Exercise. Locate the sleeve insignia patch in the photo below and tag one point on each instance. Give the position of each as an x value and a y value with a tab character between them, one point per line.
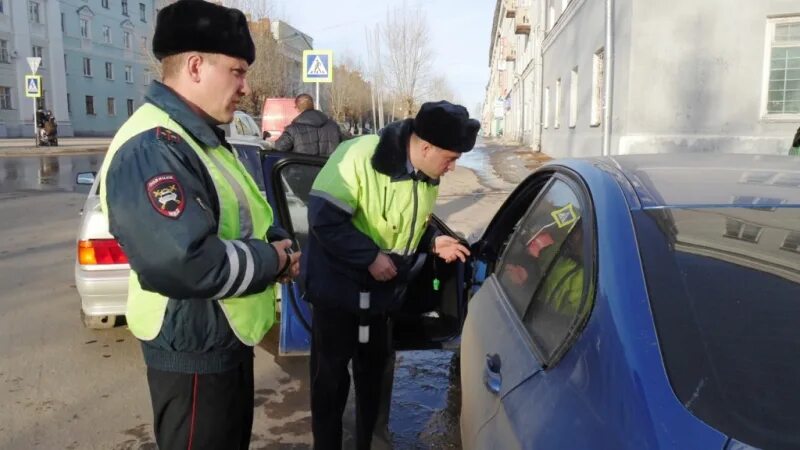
166	195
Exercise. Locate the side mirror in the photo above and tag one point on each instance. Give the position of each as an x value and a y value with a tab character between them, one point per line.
86	178
266	135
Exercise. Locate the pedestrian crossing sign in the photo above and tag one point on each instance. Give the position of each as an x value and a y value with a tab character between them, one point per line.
318	66
33	86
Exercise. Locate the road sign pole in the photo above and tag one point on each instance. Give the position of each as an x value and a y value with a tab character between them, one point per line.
35	125
316	98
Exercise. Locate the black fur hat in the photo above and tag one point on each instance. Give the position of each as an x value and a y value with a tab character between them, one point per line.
446	126
197	25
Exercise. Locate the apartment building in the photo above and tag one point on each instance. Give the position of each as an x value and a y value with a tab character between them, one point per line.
587	77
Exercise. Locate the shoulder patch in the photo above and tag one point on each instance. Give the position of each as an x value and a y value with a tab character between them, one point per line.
166	195
164	134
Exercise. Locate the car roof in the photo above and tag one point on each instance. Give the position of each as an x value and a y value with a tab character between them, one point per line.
692	179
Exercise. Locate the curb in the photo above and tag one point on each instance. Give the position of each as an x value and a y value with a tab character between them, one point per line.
49	151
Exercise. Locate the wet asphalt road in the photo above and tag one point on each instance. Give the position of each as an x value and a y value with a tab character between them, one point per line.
425	402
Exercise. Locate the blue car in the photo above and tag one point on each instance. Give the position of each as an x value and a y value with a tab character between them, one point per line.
637	302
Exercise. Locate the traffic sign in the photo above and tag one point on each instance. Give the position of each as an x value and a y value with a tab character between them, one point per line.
33	86
33	62
318	66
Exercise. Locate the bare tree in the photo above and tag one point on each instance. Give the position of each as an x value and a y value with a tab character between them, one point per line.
438	88
406	35
348	95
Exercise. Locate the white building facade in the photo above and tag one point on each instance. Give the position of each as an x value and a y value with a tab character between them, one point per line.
587	77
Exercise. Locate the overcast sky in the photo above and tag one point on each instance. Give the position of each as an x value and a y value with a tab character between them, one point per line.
460	33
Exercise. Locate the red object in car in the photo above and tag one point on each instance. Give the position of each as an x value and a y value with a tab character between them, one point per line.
539	243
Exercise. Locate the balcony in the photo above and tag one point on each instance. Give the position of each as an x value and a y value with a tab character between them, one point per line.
511	8
511	55
522	22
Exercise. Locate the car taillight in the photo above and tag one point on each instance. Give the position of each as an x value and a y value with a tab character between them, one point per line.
100	251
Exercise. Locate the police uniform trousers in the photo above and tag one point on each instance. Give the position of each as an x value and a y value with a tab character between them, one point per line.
203	411
334	342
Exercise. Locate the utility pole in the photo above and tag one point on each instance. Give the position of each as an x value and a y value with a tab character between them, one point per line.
372	84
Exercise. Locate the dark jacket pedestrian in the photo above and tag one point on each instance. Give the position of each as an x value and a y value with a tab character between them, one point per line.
199	236
369	225
795	150
310	133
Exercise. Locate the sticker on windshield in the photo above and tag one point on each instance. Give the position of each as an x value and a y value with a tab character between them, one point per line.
166	195
565	216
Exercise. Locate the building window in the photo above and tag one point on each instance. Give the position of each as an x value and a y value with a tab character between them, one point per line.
104	3
124	7
783	94
38	52
85	30
130	107
69	104
2	7
106	34
89	105
547	107
142	12
736	229
598	87
4	51
126	37
63	28
557	116
573	98
112	107
87	67
33	12
128	74
5	97
109	71
791	243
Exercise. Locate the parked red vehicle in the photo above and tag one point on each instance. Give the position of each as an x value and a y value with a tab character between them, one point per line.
276	114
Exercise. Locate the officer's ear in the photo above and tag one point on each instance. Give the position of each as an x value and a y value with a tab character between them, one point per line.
194	65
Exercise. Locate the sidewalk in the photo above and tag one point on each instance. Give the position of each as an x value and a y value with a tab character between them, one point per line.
16	147
468	199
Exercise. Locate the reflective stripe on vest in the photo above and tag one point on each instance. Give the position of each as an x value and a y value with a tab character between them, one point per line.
244	214
394	214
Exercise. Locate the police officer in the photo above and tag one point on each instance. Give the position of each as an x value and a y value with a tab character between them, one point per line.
204	255
368	217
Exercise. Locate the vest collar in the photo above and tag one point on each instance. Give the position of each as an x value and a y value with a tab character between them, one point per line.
391	155
168	101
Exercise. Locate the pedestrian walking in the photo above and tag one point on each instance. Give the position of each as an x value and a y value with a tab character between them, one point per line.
311	132
795	150
368	216
198	234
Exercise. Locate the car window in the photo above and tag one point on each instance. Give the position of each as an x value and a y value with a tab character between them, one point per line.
296	181
240	128
250	157
543	270
724	288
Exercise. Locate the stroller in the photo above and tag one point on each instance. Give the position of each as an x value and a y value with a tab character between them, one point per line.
48	130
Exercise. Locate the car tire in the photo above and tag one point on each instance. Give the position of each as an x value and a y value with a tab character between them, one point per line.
98	322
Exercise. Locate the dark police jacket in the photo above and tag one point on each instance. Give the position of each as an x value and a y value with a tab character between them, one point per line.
337	254
186	261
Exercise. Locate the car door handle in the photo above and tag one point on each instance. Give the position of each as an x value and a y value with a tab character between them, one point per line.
491	376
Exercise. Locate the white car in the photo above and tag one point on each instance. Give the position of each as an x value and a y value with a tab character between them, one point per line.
101	267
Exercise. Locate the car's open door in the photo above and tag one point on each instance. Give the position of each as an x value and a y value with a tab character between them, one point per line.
436	307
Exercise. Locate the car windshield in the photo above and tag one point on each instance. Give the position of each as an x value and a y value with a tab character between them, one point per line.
724	287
